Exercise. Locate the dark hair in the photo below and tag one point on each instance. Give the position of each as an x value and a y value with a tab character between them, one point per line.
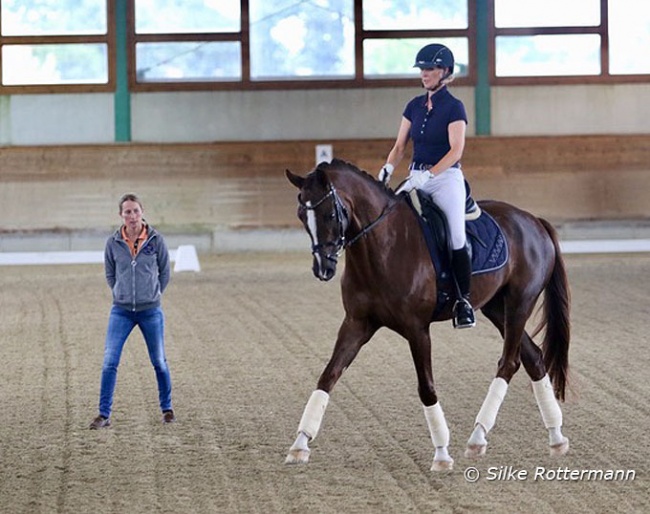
129	197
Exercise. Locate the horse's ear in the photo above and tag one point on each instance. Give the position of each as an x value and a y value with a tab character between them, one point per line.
296	180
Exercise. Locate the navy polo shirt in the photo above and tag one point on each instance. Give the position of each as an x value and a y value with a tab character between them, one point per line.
429	128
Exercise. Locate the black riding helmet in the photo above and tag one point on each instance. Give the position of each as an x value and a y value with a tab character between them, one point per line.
435	56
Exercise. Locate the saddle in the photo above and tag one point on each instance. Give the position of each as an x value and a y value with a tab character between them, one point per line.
485	239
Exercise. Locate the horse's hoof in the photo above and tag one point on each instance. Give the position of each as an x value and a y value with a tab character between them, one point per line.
557	450
297	457
442	465
475	451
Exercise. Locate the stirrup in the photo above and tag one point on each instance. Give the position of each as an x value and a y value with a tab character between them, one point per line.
463	314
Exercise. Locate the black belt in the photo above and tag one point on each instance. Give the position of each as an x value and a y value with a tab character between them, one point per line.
423	166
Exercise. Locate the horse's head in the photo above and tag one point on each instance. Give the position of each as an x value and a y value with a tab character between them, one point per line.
325	218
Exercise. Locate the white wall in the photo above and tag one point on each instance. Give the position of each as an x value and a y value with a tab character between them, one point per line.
273	115
57	119
571	110
313	114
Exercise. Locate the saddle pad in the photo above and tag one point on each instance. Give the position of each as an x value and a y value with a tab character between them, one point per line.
489	245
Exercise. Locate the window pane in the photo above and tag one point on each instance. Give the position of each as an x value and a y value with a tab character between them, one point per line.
394	58
529	56
188	16
629	37
414	14
291	40
188	61
54	64
547	13
35	17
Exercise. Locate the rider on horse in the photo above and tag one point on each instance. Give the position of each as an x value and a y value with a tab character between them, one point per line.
436	122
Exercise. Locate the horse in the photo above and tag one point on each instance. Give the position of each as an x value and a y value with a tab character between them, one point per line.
389	281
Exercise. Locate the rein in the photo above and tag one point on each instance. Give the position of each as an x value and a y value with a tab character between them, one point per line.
343	220
372	224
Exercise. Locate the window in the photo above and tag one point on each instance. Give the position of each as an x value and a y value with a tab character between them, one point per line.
393	32
72	45
548	55
257	44
561	41
194	42
629	37
550	13
301	40
49	46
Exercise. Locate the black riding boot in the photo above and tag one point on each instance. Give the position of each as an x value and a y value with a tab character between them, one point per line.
462	266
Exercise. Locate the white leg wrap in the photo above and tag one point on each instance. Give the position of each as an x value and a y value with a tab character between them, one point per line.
312	416
487	416
547	403
437	425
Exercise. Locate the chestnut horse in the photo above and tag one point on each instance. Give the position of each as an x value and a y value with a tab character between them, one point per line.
389	281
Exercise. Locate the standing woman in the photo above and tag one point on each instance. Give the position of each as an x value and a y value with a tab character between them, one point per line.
136	262
436	122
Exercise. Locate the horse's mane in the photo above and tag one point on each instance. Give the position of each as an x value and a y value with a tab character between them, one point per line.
338	164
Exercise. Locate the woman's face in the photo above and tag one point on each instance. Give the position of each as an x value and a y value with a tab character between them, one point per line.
132	214
431	77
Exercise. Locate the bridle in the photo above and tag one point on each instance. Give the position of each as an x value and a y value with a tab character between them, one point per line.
340	214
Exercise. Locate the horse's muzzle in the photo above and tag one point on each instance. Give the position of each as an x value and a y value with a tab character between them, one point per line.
324	267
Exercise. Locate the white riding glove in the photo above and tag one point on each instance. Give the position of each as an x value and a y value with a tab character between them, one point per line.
415	181
385	173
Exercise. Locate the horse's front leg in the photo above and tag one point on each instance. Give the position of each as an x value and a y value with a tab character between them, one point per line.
420	345
353	334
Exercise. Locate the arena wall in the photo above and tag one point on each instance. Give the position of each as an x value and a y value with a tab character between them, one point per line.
203	188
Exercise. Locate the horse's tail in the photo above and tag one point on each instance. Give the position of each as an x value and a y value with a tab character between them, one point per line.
556	318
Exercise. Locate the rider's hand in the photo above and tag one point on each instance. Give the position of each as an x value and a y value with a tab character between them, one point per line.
420	179
385	173
415	181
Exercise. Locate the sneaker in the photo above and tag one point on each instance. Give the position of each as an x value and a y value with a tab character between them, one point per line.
464	314
168	417
100	422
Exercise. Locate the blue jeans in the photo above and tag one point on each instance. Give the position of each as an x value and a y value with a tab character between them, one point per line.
120	324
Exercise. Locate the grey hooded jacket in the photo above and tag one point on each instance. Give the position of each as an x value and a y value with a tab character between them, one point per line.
137	282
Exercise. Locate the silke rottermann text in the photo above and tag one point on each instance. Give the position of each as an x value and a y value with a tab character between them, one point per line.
510	473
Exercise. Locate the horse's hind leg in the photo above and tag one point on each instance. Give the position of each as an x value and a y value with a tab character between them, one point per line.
514	317
549	407
353	334
532	359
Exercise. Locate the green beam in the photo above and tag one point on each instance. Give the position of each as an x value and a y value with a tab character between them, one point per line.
122	102
482	107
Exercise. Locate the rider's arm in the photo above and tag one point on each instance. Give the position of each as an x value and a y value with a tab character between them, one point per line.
399	148
456	131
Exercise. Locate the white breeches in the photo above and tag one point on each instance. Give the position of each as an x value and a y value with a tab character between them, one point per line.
447	189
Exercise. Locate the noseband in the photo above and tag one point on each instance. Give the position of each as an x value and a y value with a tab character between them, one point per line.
340	214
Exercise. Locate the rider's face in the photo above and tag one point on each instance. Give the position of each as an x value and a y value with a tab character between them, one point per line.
431	77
